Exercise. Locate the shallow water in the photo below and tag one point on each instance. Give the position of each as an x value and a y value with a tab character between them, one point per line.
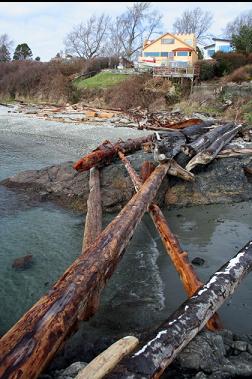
145	288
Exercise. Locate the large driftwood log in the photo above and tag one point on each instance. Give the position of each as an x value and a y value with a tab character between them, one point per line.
93	223
205	140
108	359
31	343
179	258
162	346
207	155
107	151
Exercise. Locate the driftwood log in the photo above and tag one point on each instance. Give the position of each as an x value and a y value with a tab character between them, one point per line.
93	223
208	154
108	359
31	343
107	151
205	140
151	358
179	258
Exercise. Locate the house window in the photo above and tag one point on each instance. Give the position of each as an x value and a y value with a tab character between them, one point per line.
164	53
224	48
150	54
210	53
167	40
182	53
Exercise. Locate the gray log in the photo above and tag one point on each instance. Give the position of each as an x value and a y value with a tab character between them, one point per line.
162	346
205	140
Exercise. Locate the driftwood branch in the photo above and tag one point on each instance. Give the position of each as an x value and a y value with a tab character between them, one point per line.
107	151
31	343
179	258
207	155
205	140
151	358
93	223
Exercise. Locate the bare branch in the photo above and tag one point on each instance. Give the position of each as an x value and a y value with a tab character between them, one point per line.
194	21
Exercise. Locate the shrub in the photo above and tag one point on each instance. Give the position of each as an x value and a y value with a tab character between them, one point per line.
207	69
228	62
239	75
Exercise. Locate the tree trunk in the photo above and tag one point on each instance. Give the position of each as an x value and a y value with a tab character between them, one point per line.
162	346
93	223
207	155
107	151
178	257
205	140
31	343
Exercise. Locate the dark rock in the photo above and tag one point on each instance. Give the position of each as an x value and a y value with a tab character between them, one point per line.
198	261
240	345
22	262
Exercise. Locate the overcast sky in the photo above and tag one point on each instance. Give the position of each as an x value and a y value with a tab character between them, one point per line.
44	25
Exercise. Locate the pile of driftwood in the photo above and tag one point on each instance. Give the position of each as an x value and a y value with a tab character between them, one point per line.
27	348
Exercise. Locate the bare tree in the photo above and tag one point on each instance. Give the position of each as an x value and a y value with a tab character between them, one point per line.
233	27
88	40
138	23
5	48
194	21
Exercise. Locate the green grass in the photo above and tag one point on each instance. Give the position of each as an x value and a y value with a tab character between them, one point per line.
101	80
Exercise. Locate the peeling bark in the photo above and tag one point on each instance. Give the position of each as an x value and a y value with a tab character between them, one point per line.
31	343
154	356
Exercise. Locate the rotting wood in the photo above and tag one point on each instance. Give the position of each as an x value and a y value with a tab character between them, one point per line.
234	152
108	359
159	350
205	140
93	222
107	151
31	343
179	258
207	155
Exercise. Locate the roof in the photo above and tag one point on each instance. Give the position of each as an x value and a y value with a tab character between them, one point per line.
221	39
183	49
206	47
172	35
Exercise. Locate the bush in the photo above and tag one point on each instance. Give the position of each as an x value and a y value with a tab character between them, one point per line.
207	69
228	62
130	93
239	75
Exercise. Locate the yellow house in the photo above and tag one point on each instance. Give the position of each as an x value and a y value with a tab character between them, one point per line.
170	49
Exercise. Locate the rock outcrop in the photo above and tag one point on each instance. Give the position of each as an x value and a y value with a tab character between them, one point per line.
222	181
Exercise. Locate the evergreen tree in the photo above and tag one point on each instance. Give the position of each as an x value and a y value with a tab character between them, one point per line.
243	40
22	52
4	54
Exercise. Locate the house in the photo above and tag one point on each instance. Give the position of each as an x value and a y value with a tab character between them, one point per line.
176	50
220	44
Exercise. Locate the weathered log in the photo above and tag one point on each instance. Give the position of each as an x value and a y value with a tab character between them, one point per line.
30	344
207	155
179	258
194	131
93	223
107	151
108	359
162	346
234	152
205	140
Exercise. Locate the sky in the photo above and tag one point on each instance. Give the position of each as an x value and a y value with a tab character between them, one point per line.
44	25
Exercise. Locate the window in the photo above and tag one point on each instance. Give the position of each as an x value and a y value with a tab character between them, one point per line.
225	48
150	54
167	40
210	53
182	53
164	53
190	53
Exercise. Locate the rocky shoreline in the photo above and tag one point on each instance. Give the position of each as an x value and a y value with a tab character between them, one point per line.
222	181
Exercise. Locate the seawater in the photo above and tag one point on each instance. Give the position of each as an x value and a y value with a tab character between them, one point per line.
145	289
